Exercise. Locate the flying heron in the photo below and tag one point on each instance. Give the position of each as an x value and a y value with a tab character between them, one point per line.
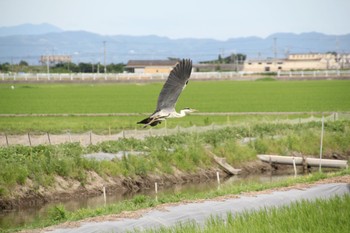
176	82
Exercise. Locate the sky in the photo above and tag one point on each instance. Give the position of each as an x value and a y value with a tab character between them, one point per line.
215	19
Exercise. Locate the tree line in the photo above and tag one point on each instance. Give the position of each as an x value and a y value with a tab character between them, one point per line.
69	67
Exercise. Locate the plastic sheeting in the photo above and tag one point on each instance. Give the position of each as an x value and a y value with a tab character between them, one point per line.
199	212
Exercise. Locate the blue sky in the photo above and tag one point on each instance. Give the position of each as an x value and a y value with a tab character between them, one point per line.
216	19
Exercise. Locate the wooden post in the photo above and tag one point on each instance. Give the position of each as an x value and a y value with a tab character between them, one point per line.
104	195
295	167
70	139
90	138
48	137
218	178
156	190
30	142
305	167
7	140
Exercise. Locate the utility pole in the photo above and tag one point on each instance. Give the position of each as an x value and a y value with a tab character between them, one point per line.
48	66
275	48
104	60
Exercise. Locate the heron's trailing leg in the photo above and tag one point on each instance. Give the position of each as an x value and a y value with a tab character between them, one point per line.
152	121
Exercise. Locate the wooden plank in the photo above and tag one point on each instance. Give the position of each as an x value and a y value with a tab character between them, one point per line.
224	165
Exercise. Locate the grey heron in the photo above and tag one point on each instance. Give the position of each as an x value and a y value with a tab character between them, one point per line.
176	82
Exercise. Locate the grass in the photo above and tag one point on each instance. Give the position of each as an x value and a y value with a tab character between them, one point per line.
116	124
330	215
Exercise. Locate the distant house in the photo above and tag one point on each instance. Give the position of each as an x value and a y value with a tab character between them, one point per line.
307	61
150	66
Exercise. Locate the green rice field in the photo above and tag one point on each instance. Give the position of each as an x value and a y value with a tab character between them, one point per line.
140	99
209	96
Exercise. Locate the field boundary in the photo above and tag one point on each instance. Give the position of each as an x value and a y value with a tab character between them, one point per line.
90	138
141	114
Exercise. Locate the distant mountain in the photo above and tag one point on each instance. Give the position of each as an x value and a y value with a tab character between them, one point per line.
29	29
89	47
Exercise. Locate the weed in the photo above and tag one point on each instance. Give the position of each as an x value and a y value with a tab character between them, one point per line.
57	213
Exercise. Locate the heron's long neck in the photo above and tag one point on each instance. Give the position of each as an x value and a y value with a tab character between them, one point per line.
181	114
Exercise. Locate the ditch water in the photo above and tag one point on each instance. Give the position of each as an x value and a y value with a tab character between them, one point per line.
20	217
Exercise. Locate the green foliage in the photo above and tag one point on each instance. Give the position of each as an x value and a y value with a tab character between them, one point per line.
233	58
139	199
40	164
68	67
57	213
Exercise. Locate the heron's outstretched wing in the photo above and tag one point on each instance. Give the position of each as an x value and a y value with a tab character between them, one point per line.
174	85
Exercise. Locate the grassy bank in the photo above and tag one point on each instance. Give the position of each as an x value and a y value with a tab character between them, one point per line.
164	155
304	216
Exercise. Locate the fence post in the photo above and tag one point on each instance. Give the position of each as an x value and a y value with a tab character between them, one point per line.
48	137
156	190
70	139
30	142
7	141
218	178
104	195
295	167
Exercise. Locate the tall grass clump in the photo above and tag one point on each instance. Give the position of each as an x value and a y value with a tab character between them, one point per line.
40	164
